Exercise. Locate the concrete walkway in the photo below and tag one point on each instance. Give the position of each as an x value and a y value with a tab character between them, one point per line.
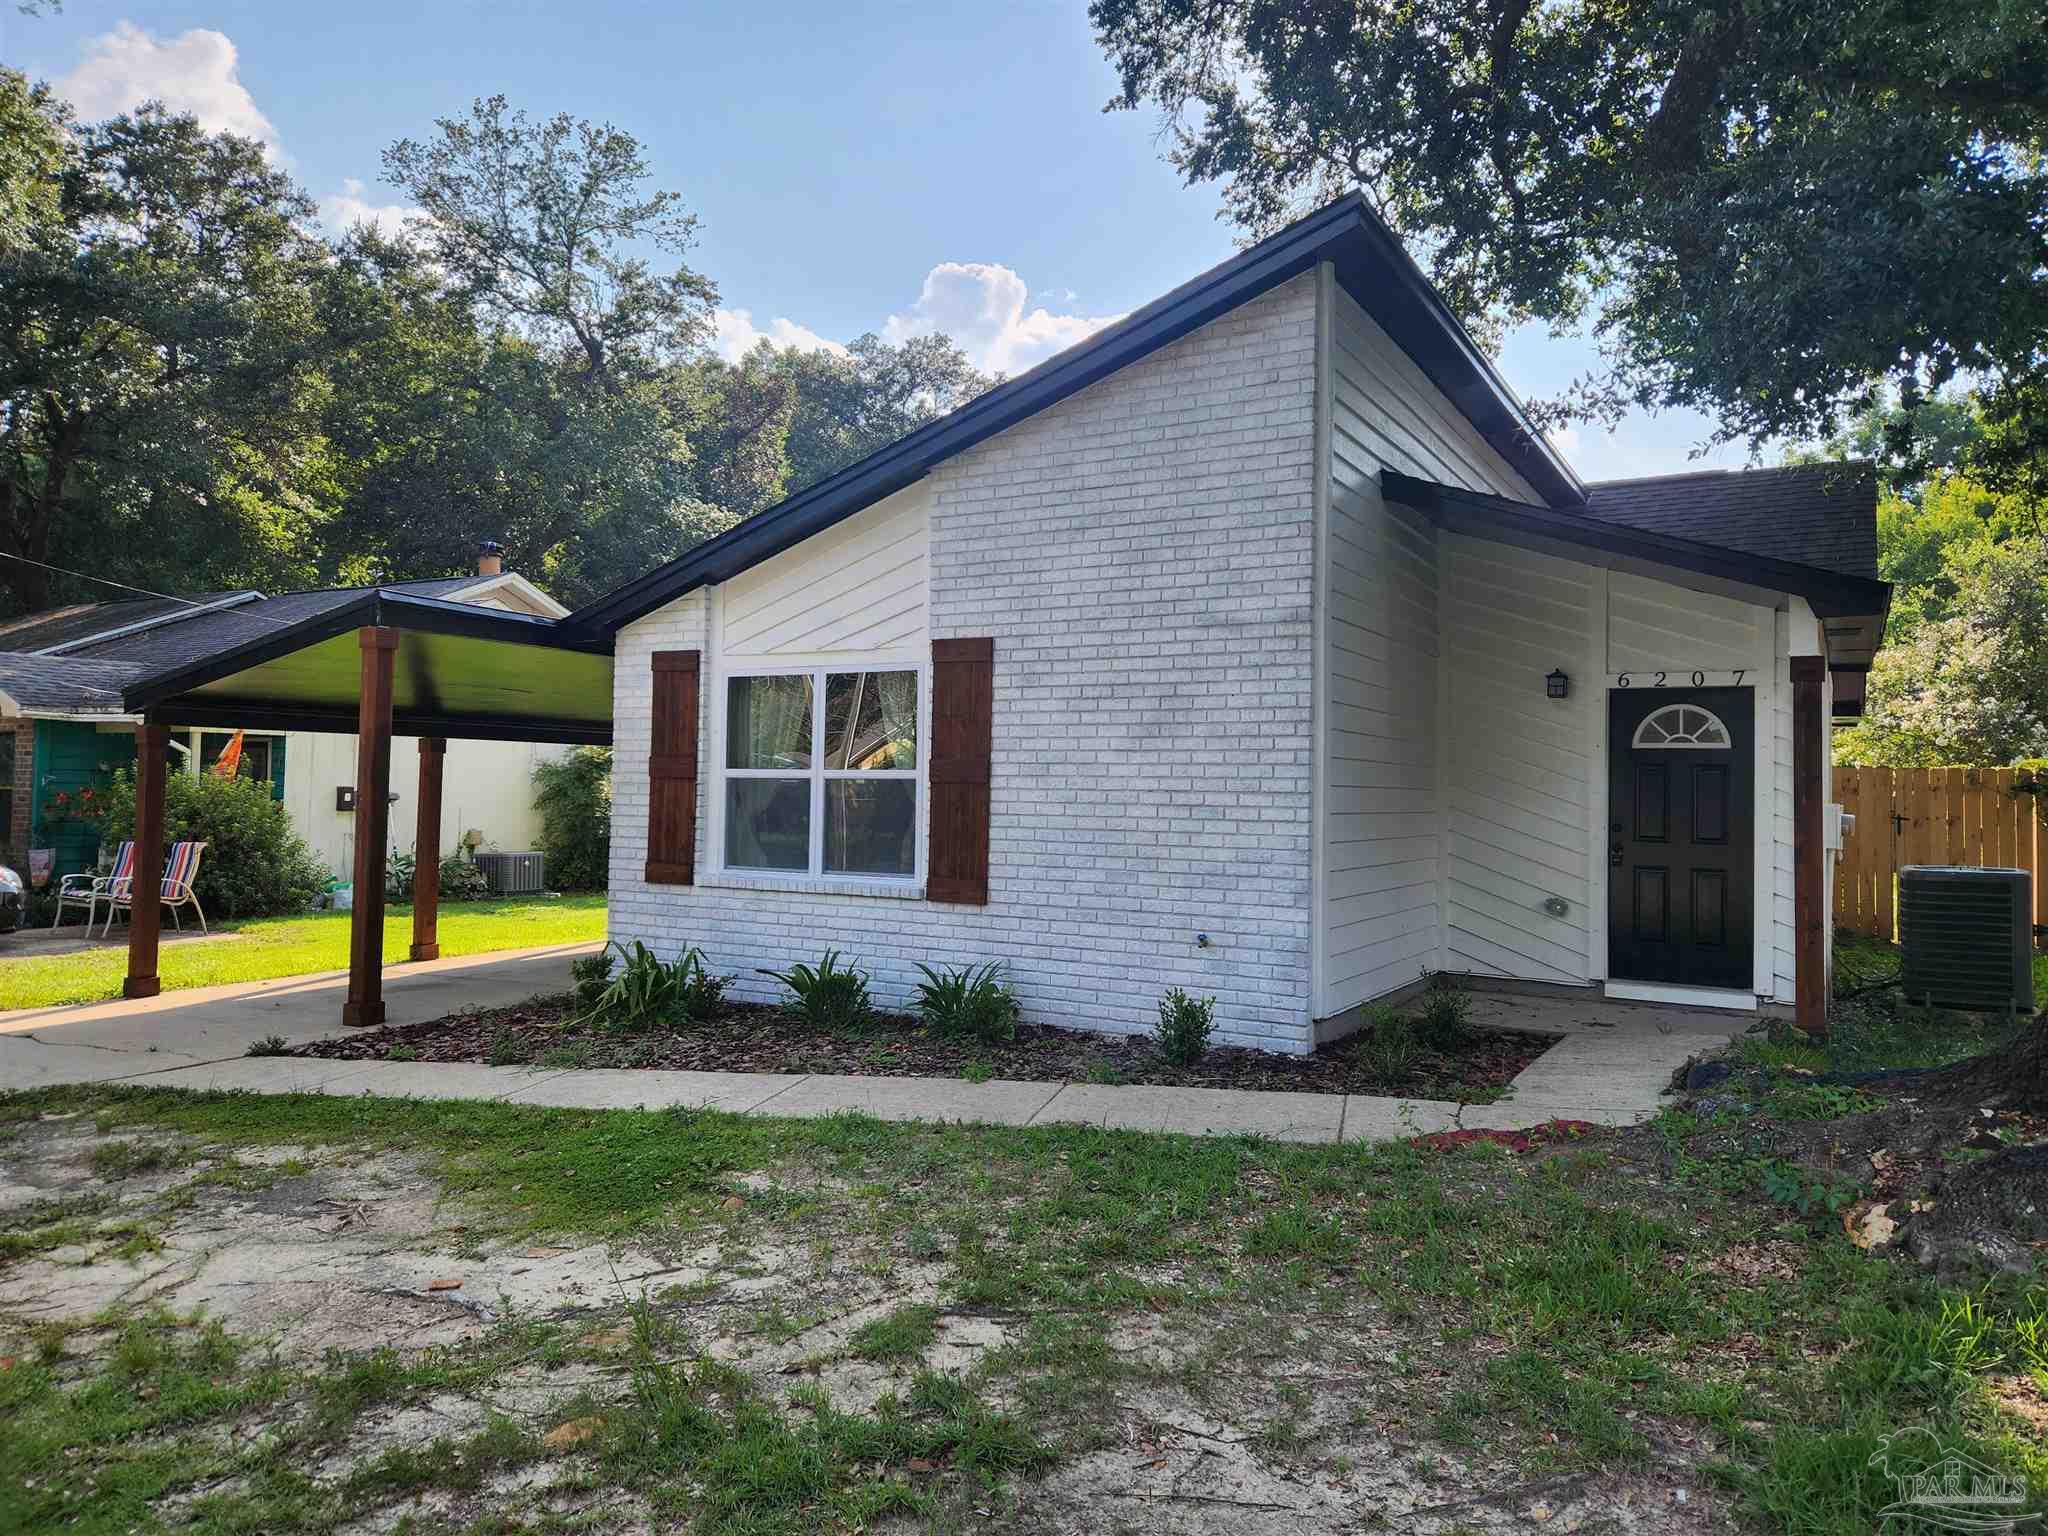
106	1042
1610	1067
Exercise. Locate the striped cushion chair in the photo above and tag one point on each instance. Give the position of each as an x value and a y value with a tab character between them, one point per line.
180	870
89	890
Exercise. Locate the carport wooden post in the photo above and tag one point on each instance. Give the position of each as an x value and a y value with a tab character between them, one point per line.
145	912
365	1005
1809	858
426	851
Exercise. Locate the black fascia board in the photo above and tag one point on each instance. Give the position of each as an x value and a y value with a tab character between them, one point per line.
1370	263
373	607
1832	594
208	713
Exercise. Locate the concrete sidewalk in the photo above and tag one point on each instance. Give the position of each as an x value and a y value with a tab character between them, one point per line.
106	1042
1610	1065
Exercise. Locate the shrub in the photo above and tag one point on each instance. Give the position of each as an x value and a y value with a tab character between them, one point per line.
649	990
255	864
1446	1019
460	879
592	974
574	797
827	997
975	1003
1388	1048
1185	1024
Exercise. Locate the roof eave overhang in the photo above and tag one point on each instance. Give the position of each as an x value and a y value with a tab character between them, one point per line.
377	608
1831	594
1369	262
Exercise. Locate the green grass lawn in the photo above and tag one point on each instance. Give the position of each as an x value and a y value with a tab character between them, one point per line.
1604	1311
293	946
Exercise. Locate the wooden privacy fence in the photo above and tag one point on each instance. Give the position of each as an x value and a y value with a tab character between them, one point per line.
1984	818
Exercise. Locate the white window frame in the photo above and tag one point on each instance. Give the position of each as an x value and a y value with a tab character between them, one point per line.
1682	744
818	774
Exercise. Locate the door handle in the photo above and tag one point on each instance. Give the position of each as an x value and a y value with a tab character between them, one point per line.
1614	855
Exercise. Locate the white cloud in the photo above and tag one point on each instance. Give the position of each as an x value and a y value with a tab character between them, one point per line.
734	334
194	72
342	211
981	305
1564	439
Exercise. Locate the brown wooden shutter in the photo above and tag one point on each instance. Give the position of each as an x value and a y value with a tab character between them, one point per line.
672	771
963	698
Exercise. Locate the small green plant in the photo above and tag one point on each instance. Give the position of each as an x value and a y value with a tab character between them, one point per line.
1445	1022
1387	1048
565	1057
269	1045
973	1003
401	1053
1185	1024
828	996
1103	1074
592	974
508	1048
977	1071
649	990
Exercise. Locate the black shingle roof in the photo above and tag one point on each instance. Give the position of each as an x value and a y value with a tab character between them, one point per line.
60	626
1823	515
62	683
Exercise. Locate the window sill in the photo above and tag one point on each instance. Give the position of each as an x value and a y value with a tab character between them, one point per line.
813	885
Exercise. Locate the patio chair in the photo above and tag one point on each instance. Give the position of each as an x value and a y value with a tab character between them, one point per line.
180	870
88	890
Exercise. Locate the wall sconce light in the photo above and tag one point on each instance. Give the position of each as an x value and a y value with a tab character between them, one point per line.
1557	685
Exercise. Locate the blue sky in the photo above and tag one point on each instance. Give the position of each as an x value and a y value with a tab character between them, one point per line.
886	167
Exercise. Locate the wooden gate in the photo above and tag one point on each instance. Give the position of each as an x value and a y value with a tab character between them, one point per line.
1985	818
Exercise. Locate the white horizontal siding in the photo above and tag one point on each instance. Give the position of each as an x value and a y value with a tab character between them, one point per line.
861	586
1382	833
1520	766
1652	625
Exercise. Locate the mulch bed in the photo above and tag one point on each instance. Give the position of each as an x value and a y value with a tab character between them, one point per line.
757	1038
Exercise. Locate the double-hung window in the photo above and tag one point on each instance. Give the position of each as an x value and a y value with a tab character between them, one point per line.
821	772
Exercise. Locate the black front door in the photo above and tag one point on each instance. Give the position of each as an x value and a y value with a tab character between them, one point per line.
1681	814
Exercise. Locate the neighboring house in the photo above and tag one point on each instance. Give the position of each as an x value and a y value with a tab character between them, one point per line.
1261	646
62	729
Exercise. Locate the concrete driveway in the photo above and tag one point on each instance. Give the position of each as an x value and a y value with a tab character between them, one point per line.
104	1042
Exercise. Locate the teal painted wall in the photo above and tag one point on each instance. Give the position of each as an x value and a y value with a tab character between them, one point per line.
68	758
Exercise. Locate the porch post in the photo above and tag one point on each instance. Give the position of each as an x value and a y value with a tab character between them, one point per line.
426	872
145	911
365	1005
1809	858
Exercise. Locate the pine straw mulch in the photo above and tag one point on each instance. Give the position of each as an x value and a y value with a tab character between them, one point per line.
750	1037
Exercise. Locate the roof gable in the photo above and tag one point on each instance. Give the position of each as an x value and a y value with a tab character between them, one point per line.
1370	264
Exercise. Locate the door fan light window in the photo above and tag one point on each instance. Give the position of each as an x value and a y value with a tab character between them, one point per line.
821	773
1682	726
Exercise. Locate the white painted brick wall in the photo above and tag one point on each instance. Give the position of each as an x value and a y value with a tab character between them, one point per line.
1141	554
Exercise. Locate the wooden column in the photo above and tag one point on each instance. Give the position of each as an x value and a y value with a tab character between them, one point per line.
365	1005
1809	856
145	911
426	851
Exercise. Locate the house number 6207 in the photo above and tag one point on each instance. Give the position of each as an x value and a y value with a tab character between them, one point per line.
1663	679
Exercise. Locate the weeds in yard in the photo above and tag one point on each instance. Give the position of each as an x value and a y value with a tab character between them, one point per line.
1445	1020
1388	1050
267	1045
977	1071
508	1048
904	1333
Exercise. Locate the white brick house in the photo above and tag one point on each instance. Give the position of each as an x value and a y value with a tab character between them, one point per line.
1273	578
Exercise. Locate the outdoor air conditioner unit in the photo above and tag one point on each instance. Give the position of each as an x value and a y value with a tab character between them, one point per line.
513	874
1968	937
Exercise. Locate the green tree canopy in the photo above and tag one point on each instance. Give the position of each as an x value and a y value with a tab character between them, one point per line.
1768	208
159	360
848	406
